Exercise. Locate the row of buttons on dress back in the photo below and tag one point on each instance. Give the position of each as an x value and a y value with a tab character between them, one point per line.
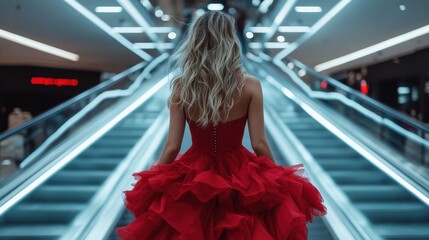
214	145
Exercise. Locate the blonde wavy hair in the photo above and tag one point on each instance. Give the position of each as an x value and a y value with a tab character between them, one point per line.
211	71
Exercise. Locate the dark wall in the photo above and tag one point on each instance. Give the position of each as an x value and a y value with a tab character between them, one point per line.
16	89
411	71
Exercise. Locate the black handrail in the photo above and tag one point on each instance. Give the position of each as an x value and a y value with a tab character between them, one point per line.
96	89
370	101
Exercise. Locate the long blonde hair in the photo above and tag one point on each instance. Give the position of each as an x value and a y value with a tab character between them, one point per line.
211	71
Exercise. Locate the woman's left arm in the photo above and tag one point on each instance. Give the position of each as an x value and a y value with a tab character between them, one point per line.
175	135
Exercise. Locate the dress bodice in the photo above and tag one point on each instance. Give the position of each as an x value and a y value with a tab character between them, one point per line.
215	140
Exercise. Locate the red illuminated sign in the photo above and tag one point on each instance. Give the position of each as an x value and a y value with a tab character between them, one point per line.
59	82
364	87
324	85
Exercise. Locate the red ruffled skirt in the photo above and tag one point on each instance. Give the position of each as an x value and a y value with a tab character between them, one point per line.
246	197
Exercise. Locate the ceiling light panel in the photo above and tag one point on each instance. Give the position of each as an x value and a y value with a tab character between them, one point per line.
308	9
315	22
38	45
374	48
108	9
106	28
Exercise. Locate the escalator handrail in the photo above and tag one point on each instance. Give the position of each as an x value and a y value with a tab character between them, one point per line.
59	108
386	110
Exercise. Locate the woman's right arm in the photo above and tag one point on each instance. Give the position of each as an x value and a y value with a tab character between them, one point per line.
256	120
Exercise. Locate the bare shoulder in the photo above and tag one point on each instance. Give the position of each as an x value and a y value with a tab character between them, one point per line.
252	84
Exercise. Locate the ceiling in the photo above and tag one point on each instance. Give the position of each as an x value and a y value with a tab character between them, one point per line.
361	23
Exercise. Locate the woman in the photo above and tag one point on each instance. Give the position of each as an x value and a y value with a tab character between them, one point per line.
218	189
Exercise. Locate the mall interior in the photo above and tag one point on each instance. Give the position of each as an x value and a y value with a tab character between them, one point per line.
83	105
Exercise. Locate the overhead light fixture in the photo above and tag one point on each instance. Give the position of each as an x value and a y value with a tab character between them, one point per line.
259	29
308	9
128	29
138	17
215	6
152	45
106	28
294	28
263	8
159	13
160	29
373	49
249	35
268	45
256	2
141	30
280	38
402	7
38	45
172	35
199	12
165	18
313	30
108	9
278	19
146	4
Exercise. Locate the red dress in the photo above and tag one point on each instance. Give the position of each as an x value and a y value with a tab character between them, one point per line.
218	189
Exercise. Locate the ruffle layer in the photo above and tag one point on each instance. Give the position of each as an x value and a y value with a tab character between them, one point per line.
246	197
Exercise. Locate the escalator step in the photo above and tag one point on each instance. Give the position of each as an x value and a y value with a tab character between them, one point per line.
105	152
385	212
114	143
332	143
48	213
321	136
377	193
33	231
79	177
360	177
403	231
56	193
333	154
90	165
340	164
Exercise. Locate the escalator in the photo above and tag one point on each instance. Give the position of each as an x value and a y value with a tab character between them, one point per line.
317	229
47	211
392	210
48	199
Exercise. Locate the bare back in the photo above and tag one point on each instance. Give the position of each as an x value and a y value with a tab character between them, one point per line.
242	101
250	103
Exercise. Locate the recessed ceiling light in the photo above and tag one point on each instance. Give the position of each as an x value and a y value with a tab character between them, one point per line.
215	7
108	9
38	45
402	7
373	49
165	18
159	13
308	9
249	35
172	35
280	38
